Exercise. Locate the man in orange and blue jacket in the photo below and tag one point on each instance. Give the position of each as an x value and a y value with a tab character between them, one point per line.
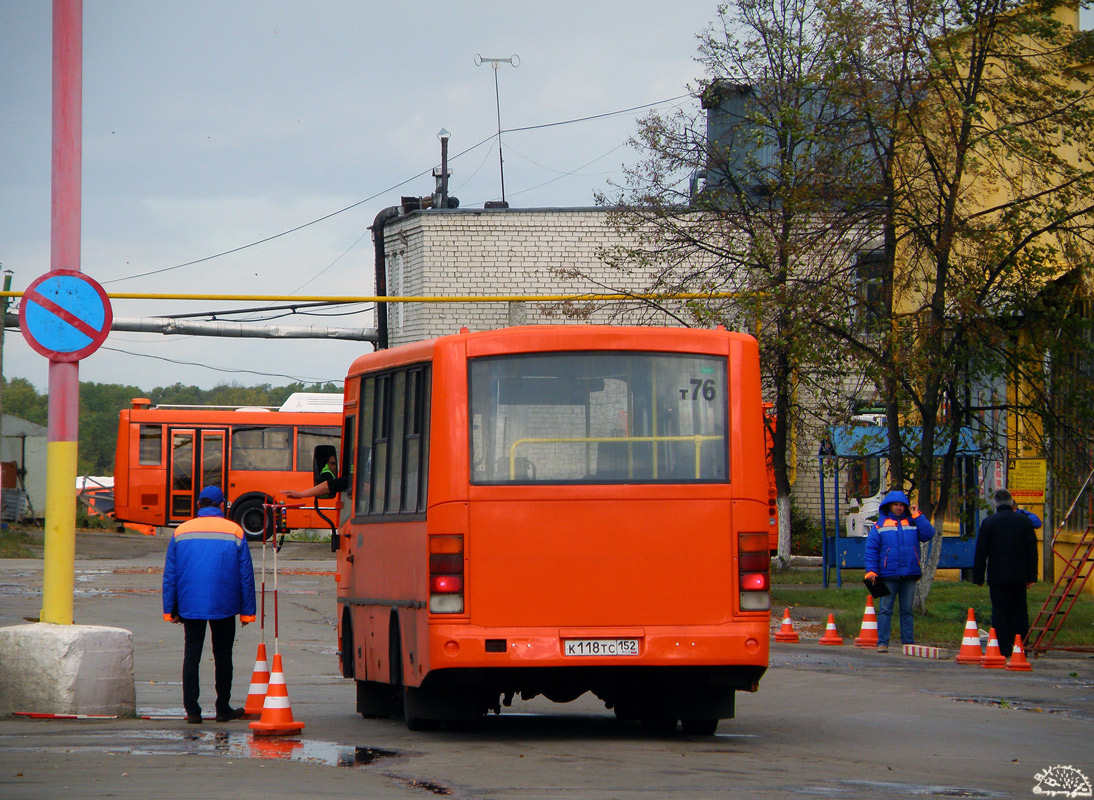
208	579
892	555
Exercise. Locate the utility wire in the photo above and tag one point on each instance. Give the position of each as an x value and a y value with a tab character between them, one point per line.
224	369
385	191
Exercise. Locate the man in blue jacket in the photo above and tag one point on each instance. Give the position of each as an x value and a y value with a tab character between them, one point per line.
208	579
892	554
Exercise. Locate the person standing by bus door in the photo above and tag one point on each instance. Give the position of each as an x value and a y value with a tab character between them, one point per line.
892	556
208	580
1006	549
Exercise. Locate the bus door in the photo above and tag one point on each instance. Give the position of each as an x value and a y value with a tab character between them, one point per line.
197	461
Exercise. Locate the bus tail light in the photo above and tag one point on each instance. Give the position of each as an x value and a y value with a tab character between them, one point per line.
753	571
446	574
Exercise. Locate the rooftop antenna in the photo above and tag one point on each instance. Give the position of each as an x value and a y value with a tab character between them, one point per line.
515	61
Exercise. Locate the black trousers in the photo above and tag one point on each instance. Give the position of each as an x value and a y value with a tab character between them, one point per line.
1009	614
223	638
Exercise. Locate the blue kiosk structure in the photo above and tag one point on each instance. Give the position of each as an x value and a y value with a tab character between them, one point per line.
845	443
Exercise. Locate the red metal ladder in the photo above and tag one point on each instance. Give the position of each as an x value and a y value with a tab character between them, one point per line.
1077	568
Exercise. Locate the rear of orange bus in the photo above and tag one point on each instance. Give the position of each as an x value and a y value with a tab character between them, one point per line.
596	520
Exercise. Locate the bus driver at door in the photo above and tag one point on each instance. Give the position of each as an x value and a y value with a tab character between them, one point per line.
330	485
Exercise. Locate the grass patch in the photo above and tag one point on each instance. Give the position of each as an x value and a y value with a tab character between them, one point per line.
17	542
943	624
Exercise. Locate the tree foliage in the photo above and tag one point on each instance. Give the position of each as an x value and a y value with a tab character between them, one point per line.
981	125
100	404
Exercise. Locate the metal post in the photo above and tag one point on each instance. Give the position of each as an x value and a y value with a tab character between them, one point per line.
824	526
58	573
3	324
494	62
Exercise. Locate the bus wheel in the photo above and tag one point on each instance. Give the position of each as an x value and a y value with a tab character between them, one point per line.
376	700
250	516
418	710
658	725
699	727
345	648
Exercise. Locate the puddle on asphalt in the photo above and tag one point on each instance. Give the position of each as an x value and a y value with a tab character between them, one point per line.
1016	705
226	744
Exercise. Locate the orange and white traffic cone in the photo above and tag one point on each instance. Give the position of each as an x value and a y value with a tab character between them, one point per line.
787	633
993	657
868	633
276	714
970	652
260	681
831	636
1018	656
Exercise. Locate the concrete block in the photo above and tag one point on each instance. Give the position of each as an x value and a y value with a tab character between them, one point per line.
66	669
924	651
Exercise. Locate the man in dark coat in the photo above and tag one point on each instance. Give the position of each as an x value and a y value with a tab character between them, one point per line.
1007	547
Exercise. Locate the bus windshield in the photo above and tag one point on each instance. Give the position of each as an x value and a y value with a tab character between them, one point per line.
599	417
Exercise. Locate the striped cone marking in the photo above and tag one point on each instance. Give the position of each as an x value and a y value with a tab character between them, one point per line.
970	652
277	719
787	633
1018	657
260	681
993	657
868	634
831	635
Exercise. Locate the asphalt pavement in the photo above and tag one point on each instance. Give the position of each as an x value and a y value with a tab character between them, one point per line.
829	721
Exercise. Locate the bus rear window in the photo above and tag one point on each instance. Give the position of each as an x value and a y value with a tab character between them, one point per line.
599	418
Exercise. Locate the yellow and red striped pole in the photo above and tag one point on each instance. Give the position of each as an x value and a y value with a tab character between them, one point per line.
58	573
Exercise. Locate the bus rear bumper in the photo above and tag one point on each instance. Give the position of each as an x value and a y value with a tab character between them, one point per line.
469	646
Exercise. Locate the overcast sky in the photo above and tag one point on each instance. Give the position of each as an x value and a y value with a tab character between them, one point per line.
209	126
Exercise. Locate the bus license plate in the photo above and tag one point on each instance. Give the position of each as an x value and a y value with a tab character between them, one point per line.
600	647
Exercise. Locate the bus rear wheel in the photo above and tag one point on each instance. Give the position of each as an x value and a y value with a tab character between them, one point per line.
251	516
699	727
418	710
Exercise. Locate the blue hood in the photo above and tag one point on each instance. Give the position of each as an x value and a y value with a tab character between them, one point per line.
895	496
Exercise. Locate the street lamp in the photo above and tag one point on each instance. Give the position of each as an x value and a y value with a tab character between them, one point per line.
494	62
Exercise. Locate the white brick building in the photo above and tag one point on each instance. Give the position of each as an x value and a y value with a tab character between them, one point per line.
501	252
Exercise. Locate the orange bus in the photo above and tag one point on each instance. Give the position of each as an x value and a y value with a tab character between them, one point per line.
166	454
554	510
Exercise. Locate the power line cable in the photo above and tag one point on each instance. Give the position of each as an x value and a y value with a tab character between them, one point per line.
389	189
224	369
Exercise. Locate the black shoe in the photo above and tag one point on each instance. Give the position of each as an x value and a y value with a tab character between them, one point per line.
194	719
230	714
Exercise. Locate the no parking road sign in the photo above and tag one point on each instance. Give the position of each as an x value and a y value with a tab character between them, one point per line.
65	315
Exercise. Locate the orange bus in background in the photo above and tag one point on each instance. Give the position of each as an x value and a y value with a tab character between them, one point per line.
554	510
167	454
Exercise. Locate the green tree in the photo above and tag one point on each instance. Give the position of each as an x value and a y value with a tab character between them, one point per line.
22	400
768	225
982	125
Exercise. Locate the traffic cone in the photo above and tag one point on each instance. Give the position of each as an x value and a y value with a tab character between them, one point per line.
970	652
787	633
276	714
993	657
260	681
830	634
1018	657
868	634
